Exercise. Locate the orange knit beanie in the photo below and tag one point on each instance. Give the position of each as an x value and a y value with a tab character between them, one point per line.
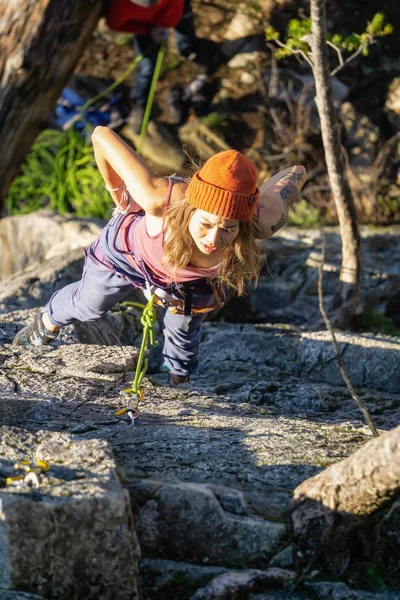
225	186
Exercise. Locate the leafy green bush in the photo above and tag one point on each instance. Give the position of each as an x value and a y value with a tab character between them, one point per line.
304	215
299	32
60	173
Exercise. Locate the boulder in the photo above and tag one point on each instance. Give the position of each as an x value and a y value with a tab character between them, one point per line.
340	591
186	521
367	358
209	469
392	105
160	575
4	595
159	148
70	534
35	285
41	235
242	40
239	584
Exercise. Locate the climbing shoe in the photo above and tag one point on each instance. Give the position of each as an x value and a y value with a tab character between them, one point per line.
34	334
181	381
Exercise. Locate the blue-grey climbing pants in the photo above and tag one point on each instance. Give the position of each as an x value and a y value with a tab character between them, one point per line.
101	288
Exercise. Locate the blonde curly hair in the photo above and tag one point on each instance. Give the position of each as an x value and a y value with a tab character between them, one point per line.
240	260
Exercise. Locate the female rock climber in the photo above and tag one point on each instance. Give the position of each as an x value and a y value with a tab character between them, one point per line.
184	240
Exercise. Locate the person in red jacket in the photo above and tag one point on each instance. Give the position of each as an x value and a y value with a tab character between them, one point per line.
149	21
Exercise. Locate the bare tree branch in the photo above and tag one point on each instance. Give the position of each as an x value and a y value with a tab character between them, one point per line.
343	372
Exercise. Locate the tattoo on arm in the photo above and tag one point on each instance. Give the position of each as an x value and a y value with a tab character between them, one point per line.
281	222
289	194
294	177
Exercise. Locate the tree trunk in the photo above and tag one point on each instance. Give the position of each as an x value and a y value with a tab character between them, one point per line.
350	274
336	515
40	45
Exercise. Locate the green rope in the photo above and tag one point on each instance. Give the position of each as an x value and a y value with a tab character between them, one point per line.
134	394
148	319
80	116
115	84
160	57
150	99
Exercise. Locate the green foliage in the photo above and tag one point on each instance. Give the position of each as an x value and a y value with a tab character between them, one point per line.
60	173
351	43
370	320
304	215
215	119
299	31
365	575
294	43
271	34
377	27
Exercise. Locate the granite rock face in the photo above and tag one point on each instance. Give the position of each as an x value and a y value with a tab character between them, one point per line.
209	534
208	471
38	236
4	595
71	536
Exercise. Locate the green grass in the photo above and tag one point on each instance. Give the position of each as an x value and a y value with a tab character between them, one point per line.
60	174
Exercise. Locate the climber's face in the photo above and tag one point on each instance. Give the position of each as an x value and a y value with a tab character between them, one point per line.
210	232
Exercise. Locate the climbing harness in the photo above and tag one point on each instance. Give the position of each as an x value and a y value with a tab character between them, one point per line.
184	306
27	473
178	298
134	394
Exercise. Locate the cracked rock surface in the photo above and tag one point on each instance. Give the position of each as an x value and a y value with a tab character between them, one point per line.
209	469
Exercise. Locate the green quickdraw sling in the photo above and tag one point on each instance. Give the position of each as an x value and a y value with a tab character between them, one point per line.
135	394
150	98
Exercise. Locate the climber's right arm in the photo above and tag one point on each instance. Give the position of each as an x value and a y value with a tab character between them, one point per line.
119	164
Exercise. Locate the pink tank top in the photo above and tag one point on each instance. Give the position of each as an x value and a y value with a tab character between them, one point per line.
150	249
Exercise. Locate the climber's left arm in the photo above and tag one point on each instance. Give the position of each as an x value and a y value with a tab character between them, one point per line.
277	195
